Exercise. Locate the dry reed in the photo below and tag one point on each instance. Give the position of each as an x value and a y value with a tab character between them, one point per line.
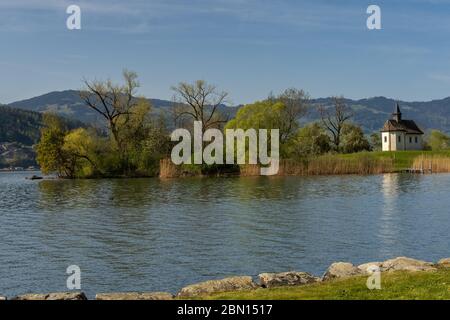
327	165
433	163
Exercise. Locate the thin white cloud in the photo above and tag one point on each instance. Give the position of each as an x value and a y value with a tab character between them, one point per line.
141	16
440	77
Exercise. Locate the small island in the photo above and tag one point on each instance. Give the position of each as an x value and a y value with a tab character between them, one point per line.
133	139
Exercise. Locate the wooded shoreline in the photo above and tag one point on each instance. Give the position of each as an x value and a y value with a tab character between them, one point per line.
365	163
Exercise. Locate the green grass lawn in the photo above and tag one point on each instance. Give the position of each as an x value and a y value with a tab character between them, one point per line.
402	159
395	286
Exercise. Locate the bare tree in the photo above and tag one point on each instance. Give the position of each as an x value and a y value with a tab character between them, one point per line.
296	106
124	113
199	101
333	120
113	102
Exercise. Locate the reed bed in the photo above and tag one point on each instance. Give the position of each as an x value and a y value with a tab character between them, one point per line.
169	170
332	164
432	164
328	165
249	170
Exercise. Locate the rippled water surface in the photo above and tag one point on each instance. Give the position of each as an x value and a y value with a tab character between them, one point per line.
156	235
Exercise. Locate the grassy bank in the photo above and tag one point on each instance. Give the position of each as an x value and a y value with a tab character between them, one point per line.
395	286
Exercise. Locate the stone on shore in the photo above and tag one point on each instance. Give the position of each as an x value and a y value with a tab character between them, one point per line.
406	264
293	278
53	296
341	270
444	263
367	268
134	296
216	286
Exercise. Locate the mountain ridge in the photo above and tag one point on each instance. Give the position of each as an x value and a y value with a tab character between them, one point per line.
370	113
69	104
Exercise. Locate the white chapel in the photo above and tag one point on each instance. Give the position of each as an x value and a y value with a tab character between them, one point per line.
398	134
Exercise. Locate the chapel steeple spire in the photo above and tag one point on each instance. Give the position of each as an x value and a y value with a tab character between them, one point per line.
397	115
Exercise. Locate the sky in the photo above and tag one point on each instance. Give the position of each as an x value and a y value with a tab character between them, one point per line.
248	48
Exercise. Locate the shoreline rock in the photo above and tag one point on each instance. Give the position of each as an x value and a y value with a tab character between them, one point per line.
216	286
399	264
406	264
134	296
444	263
366	267
291	278
52	296
341	270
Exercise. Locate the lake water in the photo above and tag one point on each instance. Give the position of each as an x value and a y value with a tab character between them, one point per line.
159	235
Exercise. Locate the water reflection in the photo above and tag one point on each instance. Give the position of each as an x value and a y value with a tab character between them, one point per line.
390	186
389	217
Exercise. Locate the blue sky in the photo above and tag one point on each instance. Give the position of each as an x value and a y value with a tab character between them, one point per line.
246	47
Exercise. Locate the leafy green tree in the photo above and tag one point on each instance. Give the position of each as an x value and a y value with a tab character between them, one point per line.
438	140
353	139
311	140
150	142
296	105
50	154
80	150
265	114
282	112
133	129
375	141
259	115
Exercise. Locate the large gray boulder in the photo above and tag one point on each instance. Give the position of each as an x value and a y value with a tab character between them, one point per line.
292	278
444	263
53	296
134	296
406	264
341	270
215	286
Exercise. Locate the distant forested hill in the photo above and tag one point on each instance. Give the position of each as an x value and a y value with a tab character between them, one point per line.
370	113
20	126
69	105
23	126
19	131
